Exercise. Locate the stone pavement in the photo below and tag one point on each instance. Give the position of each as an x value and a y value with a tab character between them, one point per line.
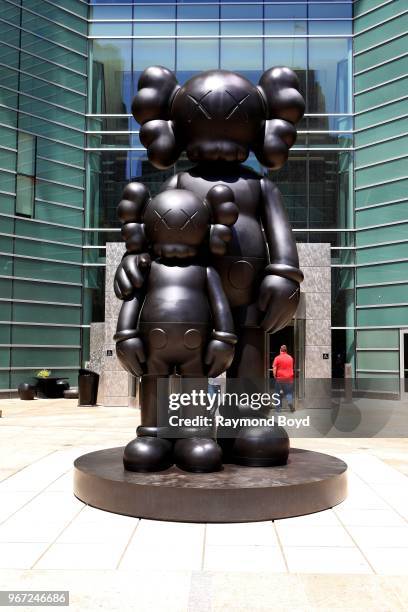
352	557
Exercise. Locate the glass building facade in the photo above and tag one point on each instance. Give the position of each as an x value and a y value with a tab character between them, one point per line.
68	145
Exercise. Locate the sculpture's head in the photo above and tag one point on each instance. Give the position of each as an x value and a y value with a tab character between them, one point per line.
176	221
218	116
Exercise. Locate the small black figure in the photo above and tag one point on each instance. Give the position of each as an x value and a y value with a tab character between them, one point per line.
179	320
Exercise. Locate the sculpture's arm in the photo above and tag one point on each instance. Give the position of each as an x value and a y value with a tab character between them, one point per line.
128	276
220	351
279	292
129	347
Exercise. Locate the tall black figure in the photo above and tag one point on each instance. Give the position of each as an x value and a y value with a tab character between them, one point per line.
218	117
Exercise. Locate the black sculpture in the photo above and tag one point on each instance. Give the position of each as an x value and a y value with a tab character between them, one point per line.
218	117
179	319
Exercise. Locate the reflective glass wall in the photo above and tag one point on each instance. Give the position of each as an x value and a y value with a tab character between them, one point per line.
43	96
313	38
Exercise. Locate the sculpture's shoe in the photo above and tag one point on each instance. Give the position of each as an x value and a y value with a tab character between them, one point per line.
148	454
261	447
198	455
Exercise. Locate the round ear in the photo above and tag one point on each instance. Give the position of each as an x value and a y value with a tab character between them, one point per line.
276	139
134	198
279	88
159	139
156	89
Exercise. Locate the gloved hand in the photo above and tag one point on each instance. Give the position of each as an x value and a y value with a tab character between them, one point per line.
130	275
131	355
218	357
278	299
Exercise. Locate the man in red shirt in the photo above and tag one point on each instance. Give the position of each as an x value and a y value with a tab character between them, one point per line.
284	374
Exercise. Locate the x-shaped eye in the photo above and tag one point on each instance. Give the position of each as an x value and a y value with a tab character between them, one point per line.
199	106
237	107
189	219
161	219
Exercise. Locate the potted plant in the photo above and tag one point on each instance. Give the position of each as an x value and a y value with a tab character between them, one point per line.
50	386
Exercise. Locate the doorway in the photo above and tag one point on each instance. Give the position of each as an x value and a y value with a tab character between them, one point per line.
293	336
404	363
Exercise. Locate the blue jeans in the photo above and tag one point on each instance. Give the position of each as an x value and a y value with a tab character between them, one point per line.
285	389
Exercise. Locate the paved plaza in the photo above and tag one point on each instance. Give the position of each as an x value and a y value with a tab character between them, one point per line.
352	557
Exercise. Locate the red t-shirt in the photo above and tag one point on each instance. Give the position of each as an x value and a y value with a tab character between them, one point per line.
284	367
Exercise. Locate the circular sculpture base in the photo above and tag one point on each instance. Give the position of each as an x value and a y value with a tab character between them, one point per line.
310	482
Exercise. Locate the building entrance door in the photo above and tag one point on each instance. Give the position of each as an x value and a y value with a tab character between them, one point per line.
294	337
404	363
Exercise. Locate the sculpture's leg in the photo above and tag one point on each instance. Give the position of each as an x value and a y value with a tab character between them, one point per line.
148	452
196	450
253	446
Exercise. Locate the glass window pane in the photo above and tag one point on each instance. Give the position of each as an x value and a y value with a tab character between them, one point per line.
111	12
195	55
239	28
112	76
290	28
197	12
59	193
241	11
26	154
284	52
153	12
154	28
331	10
110	29
26	290
242	54
329	75
205	28
331	27
153	52
287	11
25	196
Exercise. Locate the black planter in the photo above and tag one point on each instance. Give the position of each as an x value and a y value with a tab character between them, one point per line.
26	391
88	383
51	387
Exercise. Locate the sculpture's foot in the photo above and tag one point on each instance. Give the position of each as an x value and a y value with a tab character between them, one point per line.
261	447
148	454
198	455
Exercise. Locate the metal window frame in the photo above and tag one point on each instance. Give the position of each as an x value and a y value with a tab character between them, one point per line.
378	44
61	163
42	302
44	59
381	162
371	306
47	346
40	280
54	140
49	40
376	106
22	93
380	284
380	123
30	238
393	80
379	183
380	23
380	64
52	21
38	324
371	10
